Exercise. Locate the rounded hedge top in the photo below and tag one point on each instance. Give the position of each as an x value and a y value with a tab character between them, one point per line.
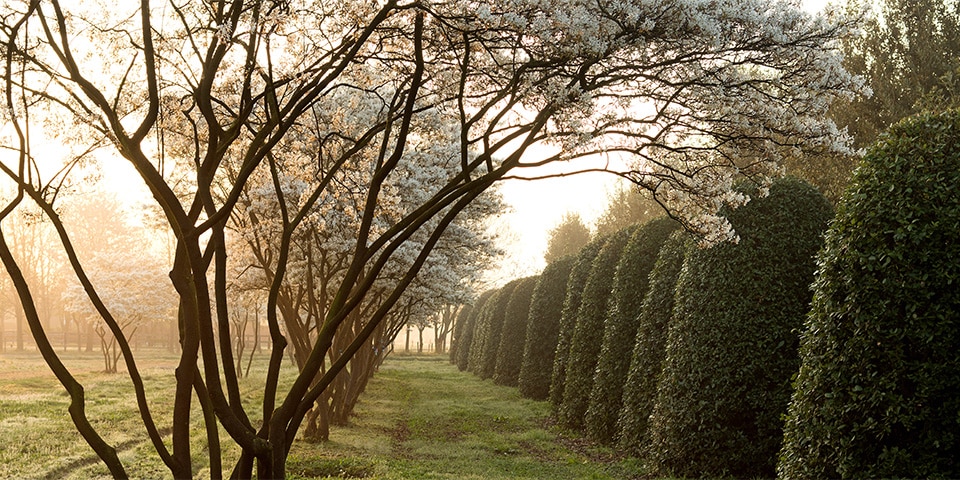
732	341
877	392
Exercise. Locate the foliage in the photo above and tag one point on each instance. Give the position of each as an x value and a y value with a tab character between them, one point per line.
543	328
905	51
732	342
494	320
640	387
460	325
627	205
567	238
588	332
876	395
481	330
630	286
464	341
568	317
513	336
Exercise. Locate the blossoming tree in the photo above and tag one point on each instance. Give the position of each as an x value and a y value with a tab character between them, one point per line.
204	95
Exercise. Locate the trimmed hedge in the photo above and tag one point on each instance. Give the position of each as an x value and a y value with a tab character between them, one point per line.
494	329
514	334
543	328
481	330
458	329
568	317
620	328
646	362
732	341
465	339
588	333
878	392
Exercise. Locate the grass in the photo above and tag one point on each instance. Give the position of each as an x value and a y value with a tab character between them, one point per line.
420	418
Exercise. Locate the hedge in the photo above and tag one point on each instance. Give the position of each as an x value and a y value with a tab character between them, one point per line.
514	334
494	329
465	339
732	341
459	325
481	331
588	332
568	317
646	362
620	328
543	328
878	392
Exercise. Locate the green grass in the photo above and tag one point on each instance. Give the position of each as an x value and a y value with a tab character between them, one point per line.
420	418
423	419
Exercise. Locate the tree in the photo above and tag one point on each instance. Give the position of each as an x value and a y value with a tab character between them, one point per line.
906	51
875	395
513	337
205	97
567	238
627	205
543	328
630	283
568	318
732	342
588	330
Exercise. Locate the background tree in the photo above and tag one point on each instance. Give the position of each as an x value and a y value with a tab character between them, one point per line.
588	330
907	50
732	344
627	205
543	328
646	362
630	284
876	392
514	334
567	238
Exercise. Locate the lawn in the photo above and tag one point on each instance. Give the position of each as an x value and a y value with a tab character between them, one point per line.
420	418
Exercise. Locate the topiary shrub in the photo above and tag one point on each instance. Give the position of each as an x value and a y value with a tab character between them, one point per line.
568	317
510	353
878	392
481	330
732	341
588	332
458	330
646	362
620	328
543	328
494	329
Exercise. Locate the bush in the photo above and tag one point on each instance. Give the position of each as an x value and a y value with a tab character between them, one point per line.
588	332
732	341
568	317
646	362
510	353
620	328
494	329
458	331
543	327
481	316
878	392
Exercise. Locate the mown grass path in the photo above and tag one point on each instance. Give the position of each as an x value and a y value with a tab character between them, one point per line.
421	418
